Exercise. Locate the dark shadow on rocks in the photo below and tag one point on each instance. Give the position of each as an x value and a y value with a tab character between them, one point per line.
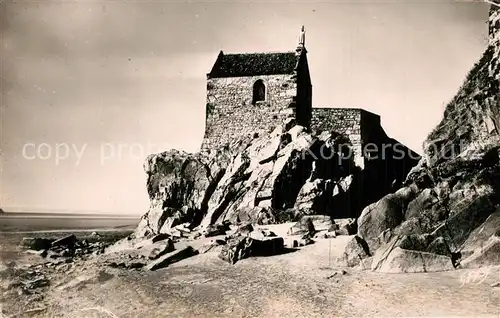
293	176
285	250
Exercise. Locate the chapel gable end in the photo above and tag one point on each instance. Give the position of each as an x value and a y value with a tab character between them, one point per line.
251	93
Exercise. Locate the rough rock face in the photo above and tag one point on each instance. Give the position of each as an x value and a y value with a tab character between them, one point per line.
179	187
471	119
283	175
453	192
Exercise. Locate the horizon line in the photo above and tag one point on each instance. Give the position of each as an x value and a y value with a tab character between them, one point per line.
64	211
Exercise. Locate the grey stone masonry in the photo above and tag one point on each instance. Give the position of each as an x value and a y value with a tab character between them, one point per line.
230	113
354	123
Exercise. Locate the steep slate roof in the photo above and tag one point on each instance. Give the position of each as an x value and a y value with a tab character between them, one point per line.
251	64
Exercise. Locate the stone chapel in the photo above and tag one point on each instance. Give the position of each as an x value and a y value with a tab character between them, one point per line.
252	93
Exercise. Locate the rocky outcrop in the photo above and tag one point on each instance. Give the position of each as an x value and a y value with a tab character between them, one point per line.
471	120
444	215
281	176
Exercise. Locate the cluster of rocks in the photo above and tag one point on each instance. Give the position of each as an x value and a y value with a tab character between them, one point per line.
137	255
240	247
246	241
452	223
66	248
30	281
232	242
53	257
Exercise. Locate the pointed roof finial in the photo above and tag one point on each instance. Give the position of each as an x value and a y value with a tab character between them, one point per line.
302	37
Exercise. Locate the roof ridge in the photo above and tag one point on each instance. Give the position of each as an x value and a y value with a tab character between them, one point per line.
253	64
271	52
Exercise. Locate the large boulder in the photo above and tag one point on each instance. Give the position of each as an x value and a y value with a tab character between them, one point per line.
400	260
305	226
245	229
480	236
216	230
236	249
356	250
241	247
312	194
345	227
486	255
482	248
320	222
68	241
261	234
36	243
385	214
161	249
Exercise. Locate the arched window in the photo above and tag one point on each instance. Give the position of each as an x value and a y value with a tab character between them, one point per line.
259	92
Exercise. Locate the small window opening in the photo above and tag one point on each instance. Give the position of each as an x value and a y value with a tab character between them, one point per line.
259	92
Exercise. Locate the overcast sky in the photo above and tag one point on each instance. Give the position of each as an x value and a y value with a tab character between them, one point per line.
113	81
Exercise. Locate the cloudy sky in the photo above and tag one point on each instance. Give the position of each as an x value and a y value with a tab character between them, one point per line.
101	84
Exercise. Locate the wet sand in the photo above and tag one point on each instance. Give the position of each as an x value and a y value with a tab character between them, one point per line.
36	222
